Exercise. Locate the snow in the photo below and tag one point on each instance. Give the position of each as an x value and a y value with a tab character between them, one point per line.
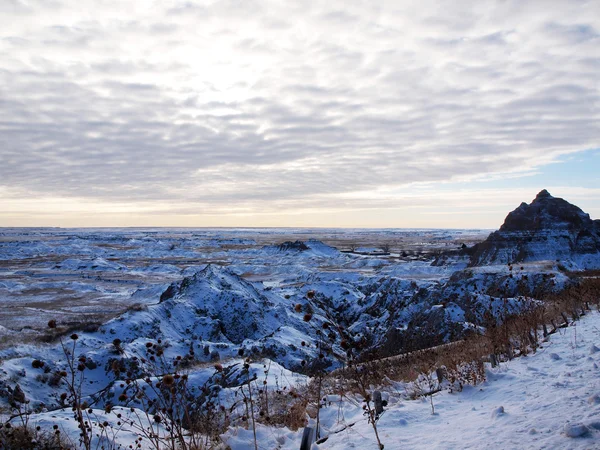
82	270
122	426
267	437
237	290
533	402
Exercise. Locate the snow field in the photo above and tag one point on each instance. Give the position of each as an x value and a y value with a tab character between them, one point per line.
547	400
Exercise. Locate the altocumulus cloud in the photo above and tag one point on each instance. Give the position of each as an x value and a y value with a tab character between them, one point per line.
275	105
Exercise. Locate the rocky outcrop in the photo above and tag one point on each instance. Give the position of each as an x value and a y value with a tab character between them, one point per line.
289	246
547	229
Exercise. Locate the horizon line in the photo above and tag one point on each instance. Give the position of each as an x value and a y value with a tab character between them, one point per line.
237	228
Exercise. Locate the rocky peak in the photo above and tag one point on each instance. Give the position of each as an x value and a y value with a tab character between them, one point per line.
546	212
549	228
543	194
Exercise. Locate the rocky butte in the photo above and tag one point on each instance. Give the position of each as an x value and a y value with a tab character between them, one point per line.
547	229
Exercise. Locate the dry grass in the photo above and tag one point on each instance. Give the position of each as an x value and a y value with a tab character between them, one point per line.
463	361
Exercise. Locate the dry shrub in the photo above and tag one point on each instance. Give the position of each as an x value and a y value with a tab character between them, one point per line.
29	438
136	307
520	334
54	334
287	408
463	361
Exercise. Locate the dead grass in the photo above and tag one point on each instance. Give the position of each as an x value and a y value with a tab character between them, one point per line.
463	361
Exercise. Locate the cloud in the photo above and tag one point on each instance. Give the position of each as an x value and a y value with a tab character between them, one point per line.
266	105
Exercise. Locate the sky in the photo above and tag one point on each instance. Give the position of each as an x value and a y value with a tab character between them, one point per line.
295	113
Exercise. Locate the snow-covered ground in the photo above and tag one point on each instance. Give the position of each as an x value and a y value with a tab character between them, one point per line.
232	291
547	400
76	272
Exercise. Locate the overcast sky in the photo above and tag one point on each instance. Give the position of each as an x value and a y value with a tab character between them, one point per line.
295	113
